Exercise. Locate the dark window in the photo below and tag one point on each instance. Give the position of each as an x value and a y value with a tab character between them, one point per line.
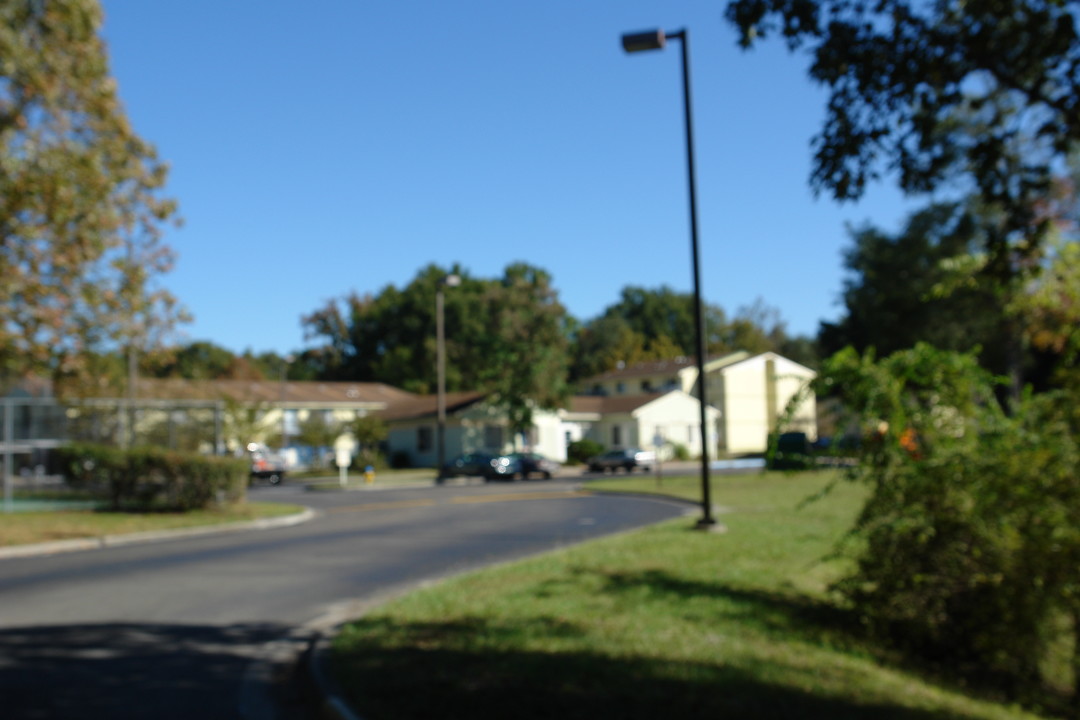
423	439
616	435
493	437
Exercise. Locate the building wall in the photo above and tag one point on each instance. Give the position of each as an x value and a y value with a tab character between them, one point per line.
677	418
751	408
658	382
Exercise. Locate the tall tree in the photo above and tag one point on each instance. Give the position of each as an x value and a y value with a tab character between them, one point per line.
647	324
80	205
505	335
980	95
893	295
528	347
936	90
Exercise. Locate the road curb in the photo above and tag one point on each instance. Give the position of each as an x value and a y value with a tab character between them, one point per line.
96	543
331	703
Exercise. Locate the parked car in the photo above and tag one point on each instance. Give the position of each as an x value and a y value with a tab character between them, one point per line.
266	465
790	451
469	464
627	459
523	465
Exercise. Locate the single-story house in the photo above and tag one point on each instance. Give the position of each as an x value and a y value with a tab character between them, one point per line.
474	425
652	421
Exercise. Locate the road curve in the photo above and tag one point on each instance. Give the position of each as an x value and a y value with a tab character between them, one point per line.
181	629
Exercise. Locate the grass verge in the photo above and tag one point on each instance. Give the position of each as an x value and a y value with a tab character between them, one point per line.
665	622
35	527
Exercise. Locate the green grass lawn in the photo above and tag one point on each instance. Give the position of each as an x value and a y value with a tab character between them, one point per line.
35	527
664	622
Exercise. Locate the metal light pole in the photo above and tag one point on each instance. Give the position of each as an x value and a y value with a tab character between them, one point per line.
440	362
655	40
288	359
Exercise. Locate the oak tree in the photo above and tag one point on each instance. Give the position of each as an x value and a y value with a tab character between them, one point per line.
81	209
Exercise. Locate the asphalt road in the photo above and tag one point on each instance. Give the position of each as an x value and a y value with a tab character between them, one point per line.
198	628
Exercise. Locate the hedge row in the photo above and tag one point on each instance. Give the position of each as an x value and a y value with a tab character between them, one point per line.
148	478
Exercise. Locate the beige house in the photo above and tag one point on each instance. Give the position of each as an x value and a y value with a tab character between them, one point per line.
750	391
244	411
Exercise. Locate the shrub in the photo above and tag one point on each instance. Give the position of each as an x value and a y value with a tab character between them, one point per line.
968	549
580	451
789	451
152	478
680	451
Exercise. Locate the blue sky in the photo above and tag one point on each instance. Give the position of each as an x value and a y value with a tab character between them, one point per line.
319	148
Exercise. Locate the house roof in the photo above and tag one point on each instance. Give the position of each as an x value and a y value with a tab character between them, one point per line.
614	404
419	406
674	365
273	391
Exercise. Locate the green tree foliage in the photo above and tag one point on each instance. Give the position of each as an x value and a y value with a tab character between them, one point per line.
316	430
984	91
201	360
968	549
370	432
527	350
506	336
80	205
891	297
647	325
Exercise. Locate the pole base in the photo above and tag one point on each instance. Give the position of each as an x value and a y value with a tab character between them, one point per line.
710	525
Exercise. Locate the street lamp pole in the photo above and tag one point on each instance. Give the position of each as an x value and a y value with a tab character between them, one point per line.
440	362
286	361
655	40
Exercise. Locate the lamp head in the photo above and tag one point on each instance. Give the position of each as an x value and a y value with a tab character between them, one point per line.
641	41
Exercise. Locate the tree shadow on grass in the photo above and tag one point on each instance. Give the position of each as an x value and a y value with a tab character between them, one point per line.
794	616
456	670
126	670
772	611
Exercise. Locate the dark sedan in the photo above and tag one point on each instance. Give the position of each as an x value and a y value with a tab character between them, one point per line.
523	465
469	464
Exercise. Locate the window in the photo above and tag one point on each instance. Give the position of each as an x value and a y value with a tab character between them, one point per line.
423	439
616	435
493	437
620	388
646	386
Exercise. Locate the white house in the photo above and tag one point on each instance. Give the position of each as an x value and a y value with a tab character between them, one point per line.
473	425
751	392
623	421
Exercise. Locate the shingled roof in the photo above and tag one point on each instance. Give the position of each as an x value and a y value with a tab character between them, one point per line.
605	404
316	394
657	367
419	406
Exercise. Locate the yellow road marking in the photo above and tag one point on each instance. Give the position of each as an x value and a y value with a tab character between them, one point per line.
381	506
